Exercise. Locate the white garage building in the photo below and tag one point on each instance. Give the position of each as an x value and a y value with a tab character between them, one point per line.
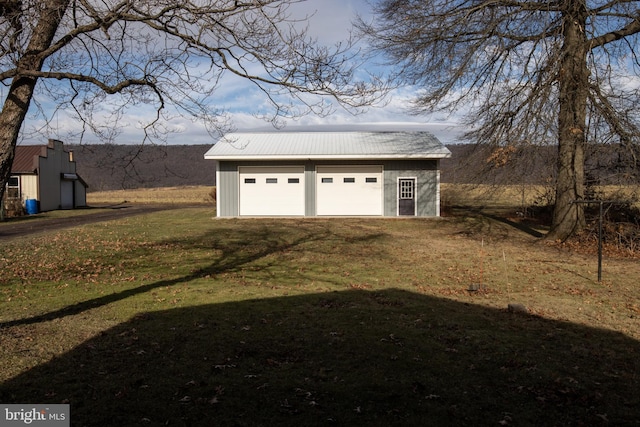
328	174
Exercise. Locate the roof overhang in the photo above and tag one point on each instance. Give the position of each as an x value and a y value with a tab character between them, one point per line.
328	157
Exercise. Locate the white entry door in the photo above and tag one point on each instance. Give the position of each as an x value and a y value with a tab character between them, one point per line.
271	191
349	190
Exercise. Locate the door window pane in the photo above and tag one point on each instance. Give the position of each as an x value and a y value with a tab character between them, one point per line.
406	189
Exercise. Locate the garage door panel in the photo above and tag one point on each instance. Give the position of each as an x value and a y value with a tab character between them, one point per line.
349	190
271	191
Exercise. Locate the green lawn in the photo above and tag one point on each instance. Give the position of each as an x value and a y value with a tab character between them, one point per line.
178	318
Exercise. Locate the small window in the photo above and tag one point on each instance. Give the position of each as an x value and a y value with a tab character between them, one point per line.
406	189
13	188
327	180
294	181
349	180
372	180
249	180
272	180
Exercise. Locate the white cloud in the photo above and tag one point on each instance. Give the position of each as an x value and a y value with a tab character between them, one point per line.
330	22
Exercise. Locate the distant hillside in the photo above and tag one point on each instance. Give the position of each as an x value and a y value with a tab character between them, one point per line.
113	167
605	164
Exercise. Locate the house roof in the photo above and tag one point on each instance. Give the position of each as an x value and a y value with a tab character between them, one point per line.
327	146
25	158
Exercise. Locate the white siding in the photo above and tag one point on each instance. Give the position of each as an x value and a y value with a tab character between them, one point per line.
29	187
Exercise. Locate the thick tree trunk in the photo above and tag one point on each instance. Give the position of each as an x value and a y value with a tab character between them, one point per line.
11	118
568	217
21	91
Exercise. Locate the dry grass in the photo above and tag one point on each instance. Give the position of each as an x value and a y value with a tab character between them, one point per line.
165	195
512	196
516	196
179	318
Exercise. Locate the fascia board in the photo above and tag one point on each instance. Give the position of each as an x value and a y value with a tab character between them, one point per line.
331	157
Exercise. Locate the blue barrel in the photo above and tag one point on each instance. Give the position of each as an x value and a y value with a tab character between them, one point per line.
32	206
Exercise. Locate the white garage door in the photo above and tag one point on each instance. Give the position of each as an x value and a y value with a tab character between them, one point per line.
349	190
271	190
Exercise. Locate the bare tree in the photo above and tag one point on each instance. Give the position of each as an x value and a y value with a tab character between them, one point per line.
85	53
531	72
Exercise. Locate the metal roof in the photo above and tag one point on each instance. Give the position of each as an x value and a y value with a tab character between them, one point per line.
327	146
25	160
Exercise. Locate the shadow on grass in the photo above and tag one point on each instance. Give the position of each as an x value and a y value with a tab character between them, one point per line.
481	226
235	253
517	225
343	358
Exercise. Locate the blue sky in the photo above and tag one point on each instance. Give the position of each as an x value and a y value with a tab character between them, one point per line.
330	22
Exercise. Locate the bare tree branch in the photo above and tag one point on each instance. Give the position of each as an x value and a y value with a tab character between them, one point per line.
527	72
161	53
